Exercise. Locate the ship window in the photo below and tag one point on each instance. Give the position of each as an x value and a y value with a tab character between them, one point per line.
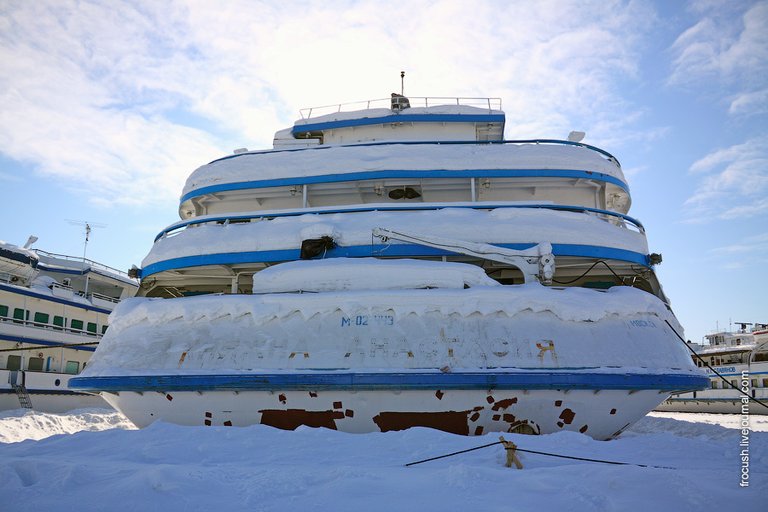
733	383
41	318
72	367
3	310
104	329
20	314
765	383
714	384
35	364
754	383
92	328
76	324
58	321
14	363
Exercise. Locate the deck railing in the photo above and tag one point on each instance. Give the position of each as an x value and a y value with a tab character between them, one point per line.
414	101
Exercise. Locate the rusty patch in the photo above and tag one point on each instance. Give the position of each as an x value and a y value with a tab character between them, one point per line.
560	424
613	411
292	418
558	403
312	394
207	423
478	408
227	423
169	397
479	430
349	413
503	404
567	416
496	417
584	428
448	421
208	414
474	416
439	394
282	398
337	405
489	399
509	418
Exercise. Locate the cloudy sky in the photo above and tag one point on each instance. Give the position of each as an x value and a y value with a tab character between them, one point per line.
106	106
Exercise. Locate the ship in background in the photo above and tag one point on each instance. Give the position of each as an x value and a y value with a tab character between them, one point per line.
53	311
741	357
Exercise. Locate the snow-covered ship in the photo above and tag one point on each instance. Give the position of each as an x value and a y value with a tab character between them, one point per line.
741	358
393	265
54	309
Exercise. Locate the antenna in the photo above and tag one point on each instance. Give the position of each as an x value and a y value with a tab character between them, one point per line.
402	83
88	227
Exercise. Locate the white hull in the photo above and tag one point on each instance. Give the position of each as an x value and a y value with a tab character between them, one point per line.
467	361
601	415
48	392
724	399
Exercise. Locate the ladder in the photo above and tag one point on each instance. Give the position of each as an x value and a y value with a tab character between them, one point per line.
20	389
23	394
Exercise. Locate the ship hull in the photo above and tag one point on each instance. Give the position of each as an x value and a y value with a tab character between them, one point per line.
518	358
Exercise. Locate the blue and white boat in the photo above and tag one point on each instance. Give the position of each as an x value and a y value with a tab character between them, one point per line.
741	358
54	309
396	263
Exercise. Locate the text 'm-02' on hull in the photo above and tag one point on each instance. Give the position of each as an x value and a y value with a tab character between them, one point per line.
390	267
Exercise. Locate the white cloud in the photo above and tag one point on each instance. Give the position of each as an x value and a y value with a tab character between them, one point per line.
733	182
124	99
750	103
729	44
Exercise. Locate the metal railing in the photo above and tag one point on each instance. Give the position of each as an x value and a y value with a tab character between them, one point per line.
414	101
84	261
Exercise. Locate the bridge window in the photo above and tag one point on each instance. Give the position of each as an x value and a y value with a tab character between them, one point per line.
59	321
76	324
35	364
92	328
73	367
41	318
3	311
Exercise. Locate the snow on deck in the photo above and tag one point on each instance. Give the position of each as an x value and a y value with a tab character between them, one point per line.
500	226
317	161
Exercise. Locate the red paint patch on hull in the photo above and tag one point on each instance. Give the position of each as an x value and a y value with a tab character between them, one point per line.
448	421
292	418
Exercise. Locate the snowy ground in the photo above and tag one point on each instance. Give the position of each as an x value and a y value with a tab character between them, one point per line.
95	460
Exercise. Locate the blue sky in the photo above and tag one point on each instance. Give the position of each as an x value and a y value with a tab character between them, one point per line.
107	106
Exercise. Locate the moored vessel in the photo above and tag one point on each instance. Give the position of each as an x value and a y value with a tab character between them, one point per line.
54	309
741	358
389	267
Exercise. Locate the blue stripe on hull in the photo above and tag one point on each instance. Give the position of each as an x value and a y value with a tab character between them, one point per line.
56	344
50	298
392	381
393	250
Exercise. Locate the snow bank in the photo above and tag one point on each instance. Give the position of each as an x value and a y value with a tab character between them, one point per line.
172	468
22	424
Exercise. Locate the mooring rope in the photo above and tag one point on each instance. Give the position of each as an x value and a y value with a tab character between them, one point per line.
571	457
